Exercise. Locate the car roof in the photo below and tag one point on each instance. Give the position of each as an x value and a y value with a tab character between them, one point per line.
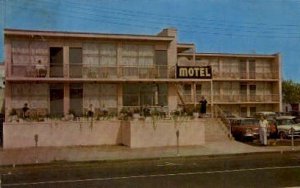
242	118
266	113
285	117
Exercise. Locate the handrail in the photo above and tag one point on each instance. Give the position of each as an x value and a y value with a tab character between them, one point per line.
219	113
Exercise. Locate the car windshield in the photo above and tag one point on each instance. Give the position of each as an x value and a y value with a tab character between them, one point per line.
286	122
249	122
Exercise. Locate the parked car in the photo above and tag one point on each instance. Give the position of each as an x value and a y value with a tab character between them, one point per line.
285	126
296	114
245	128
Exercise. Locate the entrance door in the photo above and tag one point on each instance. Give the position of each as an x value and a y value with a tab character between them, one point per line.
75	58
252	69
252	93
161	63
56	62
57	100
243	69
76	97
243	93
243	111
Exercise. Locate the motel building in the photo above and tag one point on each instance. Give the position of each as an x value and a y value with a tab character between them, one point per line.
58	73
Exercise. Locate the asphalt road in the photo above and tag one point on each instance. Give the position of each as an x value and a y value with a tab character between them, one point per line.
251	170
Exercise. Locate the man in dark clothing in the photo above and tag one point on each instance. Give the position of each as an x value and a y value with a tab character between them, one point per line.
203	103
25	111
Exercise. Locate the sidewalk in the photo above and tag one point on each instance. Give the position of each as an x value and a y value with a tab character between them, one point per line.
105	153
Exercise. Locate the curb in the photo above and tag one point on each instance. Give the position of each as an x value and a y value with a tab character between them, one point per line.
74	163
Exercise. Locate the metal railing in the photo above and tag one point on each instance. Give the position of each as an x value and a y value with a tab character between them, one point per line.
245	75
246	98
224	121
93	71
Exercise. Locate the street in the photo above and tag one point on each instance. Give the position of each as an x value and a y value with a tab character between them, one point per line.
251	170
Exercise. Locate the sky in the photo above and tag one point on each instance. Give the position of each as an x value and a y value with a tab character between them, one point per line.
214	26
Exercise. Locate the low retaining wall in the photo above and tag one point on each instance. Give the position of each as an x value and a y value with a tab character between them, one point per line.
61	133
163	133
135	134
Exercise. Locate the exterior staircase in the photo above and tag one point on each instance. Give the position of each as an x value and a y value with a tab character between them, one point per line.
214	130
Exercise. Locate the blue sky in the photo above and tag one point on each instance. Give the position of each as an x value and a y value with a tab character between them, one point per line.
225	26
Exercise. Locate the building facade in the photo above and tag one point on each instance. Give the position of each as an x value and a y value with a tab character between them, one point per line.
113	71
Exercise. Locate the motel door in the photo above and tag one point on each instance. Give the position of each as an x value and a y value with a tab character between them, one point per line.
76	99
57	100
56	62
252	69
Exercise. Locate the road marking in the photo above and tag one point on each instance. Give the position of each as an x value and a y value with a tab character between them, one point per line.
169	164
148	176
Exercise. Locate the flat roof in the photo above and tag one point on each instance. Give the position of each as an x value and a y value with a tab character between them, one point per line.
20	32
230	55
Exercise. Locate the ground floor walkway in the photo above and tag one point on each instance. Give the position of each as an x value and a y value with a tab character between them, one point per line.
104	153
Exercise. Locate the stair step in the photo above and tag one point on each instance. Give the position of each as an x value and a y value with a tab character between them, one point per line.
214	130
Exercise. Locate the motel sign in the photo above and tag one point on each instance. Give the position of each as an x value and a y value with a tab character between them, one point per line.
200	72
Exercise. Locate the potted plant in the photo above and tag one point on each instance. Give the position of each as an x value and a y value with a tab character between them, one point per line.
196	112
136	113
13	115
125	114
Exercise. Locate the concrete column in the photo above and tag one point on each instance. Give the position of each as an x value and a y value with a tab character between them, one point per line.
66	61
66	98
8	57
194	96
212	98
278	59
172	97
119	59
119	97
8	93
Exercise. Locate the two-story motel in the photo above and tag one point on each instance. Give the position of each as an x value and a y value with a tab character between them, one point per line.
113	71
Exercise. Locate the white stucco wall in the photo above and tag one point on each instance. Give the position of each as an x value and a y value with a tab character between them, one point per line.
163	133
18	135
135	134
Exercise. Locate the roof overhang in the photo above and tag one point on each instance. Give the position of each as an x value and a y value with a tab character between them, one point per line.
59	34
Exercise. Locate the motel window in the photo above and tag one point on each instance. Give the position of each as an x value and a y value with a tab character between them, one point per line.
145	94
243	111
75	55
187	89
108	54
198	89
100	95
252	111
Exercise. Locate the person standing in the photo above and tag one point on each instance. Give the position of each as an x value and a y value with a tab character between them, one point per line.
203	103
263	128
91	111
25	111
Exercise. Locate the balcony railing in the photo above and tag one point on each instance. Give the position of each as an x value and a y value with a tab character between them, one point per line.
92	71
123	71
187	98
245	75
246	98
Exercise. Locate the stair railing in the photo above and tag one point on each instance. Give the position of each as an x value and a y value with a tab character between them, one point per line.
224	121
